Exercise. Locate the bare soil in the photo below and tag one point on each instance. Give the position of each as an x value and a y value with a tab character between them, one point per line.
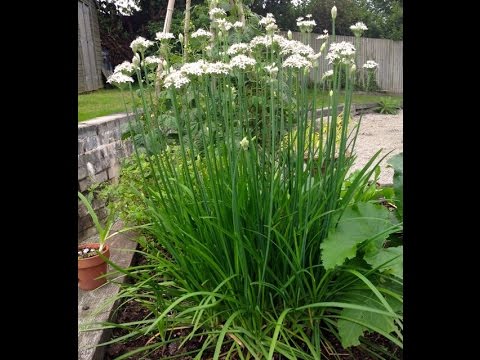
379	131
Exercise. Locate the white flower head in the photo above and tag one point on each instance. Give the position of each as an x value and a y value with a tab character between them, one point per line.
267	20
324	36
327	74
194	68
308	16
140	44
306	25
161	36
300	18
343	52
118	79
223	24
125	68
201	33
239	48
334	12
176	79
244	143
358	28
295	47
370	64
272	70
217	68
216	13
238	25
136	61
297	61
242	61
152	60
271	28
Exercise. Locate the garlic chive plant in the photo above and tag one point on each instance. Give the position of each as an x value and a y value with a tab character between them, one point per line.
269	250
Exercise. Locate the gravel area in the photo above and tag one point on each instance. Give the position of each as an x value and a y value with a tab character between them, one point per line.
378	131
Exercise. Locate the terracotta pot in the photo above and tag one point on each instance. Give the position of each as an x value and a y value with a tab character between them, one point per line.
91	268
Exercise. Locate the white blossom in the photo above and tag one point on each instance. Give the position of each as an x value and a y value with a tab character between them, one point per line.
201	32
216	13
164	36
334	12
324	36
272	69
176	79
238	24
370	64
152	60
223	24
242	61
270	28
300	18
244	143
269	19
119	79
194	68
240	48
125	68
308	16
358	28
327	74
217	68
140	44
295	47
306	25
342	52
297	61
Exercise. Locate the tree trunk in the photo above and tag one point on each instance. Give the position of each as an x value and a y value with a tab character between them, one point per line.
186	27
166	28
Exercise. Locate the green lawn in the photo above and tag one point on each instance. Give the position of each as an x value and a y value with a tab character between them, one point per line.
109	101
100	102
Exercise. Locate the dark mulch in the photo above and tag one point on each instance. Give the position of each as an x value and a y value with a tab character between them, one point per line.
133	311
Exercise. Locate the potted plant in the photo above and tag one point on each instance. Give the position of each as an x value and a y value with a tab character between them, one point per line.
92	256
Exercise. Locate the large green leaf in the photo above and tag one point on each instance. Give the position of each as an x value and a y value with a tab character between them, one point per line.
393	257
350	331
397	163
360	222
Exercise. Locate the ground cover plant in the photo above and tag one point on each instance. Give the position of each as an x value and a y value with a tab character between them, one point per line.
261	246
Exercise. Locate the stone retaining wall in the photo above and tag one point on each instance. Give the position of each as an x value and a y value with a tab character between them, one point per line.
100	150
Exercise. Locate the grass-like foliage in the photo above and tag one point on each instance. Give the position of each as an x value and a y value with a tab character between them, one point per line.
269	247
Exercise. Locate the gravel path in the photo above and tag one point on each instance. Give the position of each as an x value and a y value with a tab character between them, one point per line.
378	131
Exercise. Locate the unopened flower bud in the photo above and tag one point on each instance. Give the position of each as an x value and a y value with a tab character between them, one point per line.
323	46
334	12
331	93
180	38
353	69
289	35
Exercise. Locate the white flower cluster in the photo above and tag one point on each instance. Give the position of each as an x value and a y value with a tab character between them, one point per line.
223	24
238	25
194	68
306	25
370	64
295	47
200	33
241	61
164	36
119	79
240	48
140	44
358	28
216	13
271	28
272	69
297	61
327	74
343	52
152	60
125	68
324	36
217	68
267	20
261	40
176	79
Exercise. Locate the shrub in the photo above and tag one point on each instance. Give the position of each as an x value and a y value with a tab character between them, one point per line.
388	105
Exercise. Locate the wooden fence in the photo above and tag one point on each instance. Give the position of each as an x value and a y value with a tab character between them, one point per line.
387	53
